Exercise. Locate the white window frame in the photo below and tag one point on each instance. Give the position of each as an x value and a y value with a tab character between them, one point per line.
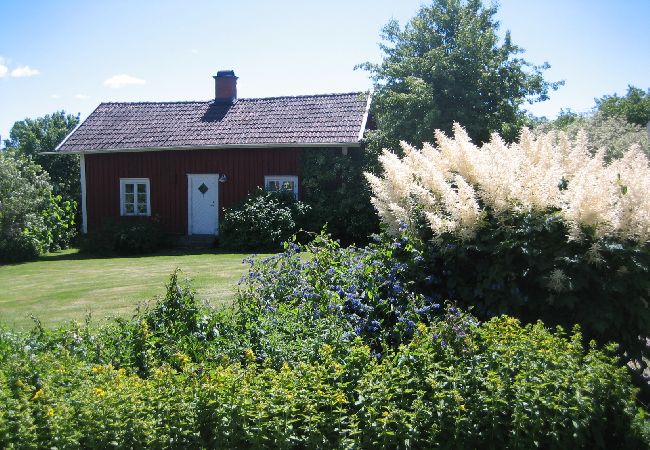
282	179
134	181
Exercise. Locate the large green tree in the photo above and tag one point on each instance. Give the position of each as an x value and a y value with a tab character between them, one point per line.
448	65
633	107
30	137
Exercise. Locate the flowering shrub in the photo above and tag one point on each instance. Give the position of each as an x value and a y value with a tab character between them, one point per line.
262	222
365	289
32	219
540	229
458	384
454	185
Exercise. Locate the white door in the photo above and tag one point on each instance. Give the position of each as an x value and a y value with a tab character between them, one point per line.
202	201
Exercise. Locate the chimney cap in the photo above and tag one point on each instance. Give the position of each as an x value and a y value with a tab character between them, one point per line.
226	74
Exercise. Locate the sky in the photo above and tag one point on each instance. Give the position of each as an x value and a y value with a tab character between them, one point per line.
72	55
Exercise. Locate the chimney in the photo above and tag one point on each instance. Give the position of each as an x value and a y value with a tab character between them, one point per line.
225	86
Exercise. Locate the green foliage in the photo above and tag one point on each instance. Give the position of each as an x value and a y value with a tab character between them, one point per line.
613	133
447	65
297	364
139	236
634	107
30	137
261	222
334	187
523	265
457	384
32	220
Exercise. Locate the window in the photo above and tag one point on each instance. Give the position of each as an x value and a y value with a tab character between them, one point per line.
274	183
134	197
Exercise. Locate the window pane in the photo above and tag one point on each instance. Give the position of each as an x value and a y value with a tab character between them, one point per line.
129	198
142	199
128	188
142	188
142	208
128	208
273	185
287	186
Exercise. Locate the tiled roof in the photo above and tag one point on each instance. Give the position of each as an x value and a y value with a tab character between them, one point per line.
310	119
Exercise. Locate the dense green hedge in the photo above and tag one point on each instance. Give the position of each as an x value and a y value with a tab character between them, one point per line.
140	236
335	370
339	197
500	385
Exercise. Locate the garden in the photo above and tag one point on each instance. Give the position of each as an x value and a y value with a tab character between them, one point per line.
475	286
412	341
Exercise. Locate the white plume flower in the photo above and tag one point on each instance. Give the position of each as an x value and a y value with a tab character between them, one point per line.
453	182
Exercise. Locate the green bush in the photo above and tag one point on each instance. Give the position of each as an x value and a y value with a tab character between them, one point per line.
333	186
523	265
140	237
457	384
32	220
261	222
314	356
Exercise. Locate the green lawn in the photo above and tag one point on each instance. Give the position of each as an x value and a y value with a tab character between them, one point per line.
67	285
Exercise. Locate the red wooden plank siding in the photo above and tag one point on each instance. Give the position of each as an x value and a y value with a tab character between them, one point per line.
167	172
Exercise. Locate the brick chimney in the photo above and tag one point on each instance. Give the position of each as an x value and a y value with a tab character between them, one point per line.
225	86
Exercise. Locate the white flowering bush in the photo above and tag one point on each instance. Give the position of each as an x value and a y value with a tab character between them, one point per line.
542	228
453	185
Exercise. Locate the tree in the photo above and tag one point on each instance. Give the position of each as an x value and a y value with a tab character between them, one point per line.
30	137
447	65
614	134
634	107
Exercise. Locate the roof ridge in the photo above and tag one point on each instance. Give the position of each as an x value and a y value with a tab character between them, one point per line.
181	102
333	94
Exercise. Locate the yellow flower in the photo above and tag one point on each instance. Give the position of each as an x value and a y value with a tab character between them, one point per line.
99	392
422	328
249	354
38	394
182	358
50	412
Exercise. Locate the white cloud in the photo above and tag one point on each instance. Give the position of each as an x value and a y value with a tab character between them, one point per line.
118	81
3	70
24	71
55	96
82	96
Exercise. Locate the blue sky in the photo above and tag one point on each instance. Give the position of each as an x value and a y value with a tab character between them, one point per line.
72	55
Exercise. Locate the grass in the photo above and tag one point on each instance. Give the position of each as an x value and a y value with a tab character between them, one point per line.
67	285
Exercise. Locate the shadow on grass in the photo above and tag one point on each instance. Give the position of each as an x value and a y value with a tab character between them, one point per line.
67	255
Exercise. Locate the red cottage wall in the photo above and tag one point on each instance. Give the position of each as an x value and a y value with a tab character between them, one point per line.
167	172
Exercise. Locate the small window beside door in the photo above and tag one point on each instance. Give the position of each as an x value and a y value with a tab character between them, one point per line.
134	197
279	183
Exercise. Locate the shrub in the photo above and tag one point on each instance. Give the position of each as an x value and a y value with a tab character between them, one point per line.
262	222
458	384
141	237
531	229
32	220
331	186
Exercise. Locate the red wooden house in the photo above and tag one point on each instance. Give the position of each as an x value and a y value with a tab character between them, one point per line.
183	162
